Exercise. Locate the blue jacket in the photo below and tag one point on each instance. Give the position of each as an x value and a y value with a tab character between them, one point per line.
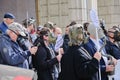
90	47
3	27
112	49
11	53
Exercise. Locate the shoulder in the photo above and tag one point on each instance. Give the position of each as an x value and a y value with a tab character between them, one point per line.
4	38
2	24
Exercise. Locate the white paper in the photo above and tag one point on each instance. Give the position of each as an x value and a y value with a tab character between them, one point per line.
94	17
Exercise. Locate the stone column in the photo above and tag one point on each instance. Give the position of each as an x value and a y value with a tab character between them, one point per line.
79	10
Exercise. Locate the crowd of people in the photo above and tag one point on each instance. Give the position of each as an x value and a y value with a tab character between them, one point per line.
83	52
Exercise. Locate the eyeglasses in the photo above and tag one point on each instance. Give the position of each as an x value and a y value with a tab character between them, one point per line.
13	32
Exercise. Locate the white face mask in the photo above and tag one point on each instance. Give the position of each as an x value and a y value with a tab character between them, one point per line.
92	31
100	33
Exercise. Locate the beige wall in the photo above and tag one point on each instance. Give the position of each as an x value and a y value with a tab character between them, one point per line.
109	10
62	12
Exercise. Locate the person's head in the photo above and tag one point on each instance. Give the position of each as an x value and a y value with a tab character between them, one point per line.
67	30
29	24
44	33
76	34
8	18
57	31
85	25
114	34
111	32
39	28
15	29
93	33
50	26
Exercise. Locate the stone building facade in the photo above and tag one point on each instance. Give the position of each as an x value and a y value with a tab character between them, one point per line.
62	12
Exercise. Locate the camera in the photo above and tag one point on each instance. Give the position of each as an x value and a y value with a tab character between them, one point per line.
21	41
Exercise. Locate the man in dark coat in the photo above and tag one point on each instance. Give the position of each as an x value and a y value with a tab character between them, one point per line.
91	46
112	43
45	60
77	63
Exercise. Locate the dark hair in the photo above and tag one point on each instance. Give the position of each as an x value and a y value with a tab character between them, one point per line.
72	23
85	25
43	32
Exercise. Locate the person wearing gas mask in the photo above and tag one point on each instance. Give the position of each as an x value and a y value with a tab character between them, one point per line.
30	31
77	63
31	35
93	45
45	59
66	37
10	51
112	43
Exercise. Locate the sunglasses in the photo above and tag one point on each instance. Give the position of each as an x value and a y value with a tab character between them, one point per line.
46	35
111	31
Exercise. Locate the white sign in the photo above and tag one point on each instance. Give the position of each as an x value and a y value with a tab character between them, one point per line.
94	17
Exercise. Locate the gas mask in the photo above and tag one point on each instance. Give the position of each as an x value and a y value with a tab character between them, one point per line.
52	38
100	33
92	30
117	35
76	35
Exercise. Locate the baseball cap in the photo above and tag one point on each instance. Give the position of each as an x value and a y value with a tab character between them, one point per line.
16	27
9	15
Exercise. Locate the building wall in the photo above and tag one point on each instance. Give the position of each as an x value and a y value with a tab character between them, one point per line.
55	11
62	12
109	10
20	8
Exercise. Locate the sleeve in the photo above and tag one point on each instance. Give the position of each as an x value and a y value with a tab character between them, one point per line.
103	67
113	50
9	55
85	67
59	42
43	61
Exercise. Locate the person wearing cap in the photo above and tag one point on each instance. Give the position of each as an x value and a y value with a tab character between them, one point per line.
31	34
39	28
30	30
10	51
8	19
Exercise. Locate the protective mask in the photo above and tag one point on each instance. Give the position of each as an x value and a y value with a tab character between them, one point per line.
52	38
76	35
100	33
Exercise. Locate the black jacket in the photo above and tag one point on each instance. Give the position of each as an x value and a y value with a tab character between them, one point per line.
77	66
43	62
